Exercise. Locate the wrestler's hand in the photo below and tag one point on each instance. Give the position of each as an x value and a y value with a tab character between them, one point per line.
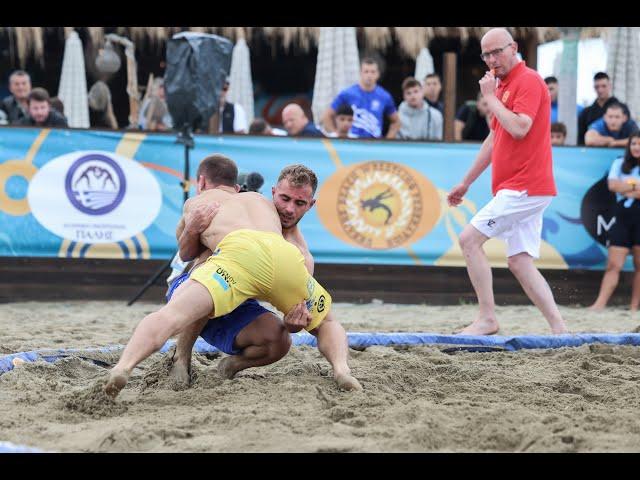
297	318
454	198
488	84
199	218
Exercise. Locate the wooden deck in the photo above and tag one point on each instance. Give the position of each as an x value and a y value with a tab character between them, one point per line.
24	279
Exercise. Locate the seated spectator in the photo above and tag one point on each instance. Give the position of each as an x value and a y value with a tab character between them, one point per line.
612	130
558	133
602	86
296	122
154	113
344	122
472	120
57	105
40	112
100	108
234	118
552	85
418	120
432	88
4	120
16	105
370	103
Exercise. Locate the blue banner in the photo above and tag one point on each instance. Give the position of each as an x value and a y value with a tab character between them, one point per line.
84	193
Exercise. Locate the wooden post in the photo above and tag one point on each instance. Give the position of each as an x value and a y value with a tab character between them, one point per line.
531	50
449	95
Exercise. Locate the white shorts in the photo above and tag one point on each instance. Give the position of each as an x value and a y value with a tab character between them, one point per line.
516	218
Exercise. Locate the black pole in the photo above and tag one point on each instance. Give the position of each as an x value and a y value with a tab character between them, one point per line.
185	138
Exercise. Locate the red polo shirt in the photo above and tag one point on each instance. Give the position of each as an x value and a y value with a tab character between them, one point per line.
523	164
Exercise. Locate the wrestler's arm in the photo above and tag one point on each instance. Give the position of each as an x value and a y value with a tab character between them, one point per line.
195	220
301	243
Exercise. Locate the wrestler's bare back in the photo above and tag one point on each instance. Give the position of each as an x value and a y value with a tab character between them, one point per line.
248	210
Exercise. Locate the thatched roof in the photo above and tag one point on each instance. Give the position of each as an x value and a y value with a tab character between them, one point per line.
27	41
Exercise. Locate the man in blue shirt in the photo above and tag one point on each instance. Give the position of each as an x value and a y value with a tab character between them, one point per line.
370	103
612	130
296	122
552	85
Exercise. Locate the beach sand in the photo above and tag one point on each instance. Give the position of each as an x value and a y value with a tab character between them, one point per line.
415	399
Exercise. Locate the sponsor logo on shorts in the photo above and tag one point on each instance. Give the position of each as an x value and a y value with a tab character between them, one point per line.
320	306
379	205
225	275
491	223
311	286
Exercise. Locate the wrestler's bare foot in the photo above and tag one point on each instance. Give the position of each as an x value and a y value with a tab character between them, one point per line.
347	382
226	369
481	327
116	382
179	373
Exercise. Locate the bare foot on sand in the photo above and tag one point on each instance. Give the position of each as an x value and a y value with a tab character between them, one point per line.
180	373
116	382
347	382
481	327
226	368
596	308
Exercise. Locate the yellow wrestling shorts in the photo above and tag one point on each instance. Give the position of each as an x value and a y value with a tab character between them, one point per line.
261	265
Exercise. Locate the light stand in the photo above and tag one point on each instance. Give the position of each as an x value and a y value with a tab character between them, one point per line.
186	139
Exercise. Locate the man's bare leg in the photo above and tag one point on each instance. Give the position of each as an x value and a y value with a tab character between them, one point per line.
263	342
615	261
181	362
537	289
333	344
471	241
155	329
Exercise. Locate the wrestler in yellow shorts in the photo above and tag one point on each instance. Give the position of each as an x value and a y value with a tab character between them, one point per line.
261	265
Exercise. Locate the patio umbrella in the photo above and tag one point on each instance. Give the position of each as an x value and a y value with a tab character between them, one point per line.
337	66
424	65
568	88
240	83
73	83
623	47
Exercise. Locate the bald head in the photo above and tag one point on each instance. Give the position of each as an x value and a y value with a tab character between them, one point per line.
499	51
294	119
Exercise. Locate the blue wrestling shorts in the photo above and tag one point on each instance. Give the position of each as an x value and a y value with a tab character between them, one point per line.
221	332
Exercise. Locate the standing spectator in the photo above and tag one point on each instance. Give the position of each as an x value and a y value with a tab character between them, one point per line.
472	120
234	118
370	103
100	108
16	105
418	120
40	112
558	133
296	122
603	88
552	85
154	113
624	236
612	130
432	89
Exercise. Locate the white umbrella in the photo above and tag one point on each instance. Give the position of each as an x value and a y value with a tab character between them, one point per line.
424	65
337	66
240	83
568	80
73	83
623	47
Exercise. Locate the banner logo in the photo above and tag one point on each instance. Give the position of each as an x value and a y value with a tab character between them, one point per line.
378	205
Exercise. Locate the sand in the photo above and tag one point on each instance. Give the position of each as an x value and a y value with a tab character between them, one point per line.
415	399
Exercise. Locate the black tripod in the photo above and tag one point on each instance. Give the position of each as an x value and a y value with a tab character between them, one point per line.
185	138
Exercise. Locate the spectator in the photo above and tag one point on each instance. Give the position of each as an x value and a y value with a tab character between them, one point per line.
612	130
344	122
296	122
552	85
602	86
472	120
100	108
234	118
4	120
40	112
57	105
259	126
16	105
624	236
558	133
370	103
154	113
418	120
432	89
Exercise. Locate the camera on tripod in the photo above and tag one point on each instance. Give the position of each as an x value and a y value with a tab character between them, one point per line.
250	182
